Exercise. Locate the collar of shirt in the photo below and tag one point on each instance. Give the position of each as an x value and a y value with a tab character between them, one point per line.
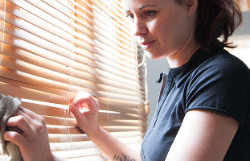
182	73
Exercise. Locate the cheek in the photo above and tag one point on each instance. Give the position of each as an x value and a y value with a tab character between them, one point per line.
163	28
171	33
156	27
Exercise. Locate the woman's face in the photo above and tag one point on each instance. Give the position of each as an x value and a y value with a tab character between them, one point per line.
161	27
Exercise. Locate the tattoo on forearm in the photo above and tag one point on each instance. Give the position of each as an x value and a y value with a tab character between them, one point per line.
123	157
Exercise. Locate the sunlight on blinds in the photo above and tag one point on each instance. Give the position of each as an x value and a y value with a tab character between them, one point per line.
244	5
51	49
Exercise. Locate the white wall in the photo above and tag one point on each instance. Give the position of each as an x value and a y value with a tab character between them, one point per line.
244	29
242	38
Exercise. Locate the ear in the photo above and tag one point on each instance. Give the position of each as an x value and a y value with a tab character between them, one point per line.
191	6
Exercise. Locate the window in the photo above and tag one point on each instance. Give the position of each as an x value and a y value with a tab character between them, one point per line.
244	5
50	49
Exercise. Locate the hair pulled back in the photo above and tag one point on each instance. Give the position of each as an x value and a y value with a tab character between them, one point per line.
216	18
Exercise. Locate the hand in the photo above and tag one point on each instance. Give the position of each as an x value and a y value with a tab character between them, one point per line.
85	109
32	138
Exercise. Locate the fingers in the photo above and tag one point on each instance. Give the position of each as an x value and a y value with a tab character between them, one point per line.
82	97
75	111
20	122
31	114
24	122
14	137
84	102
33	142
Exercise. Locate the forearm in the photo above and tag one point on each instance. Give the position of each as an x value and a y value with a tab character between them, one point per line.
88	122
112	147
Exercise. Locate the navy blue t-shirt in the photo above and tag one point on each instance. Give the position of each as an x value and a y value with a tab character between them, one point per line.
215	81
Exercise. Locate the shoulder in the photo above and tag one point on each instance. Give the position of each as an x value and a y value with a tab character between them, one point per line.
220	83
223	66
225	60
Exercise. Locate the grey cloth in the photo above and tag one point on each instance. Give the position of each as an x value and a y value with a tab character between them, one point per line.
8	106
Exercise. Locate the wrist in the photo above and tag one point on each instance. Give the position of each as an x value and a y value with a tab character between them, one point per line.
95	133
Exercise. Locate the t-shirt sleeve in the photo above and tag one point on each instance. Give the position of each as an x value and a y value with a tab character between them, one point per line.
221	85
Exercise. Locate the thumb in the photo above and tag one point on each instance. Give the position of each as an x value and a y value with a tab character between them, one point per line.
74	110
84	100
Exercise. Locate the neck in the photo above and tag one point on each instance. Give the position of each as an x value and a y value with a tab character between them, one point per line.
181	56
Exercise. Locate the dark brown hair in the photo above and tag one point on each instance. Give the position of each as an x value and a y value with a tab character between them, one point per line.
216	18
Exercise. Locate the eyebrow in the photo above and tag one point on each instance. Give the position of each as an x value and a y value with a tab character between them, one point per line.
144	6
147	5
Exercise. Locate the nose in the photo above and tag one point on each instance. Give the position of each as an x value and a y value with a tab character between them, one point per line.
139	27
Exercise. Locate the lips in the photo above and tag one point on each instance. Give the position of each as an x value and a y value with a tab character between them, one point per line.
146	44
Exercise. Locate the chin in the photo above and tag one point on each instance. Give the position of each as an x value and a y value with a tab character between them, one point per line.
152	55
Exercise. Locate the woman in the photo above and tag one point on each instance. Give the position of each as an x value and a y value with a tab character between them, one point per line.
203	111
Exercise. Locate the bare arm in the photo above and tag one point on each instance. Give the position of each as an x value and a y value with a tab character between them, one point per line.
203	136
113	148
85	109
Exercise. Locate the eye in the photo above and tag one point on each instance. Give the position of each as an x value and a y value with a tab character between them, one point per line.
130	16
149	14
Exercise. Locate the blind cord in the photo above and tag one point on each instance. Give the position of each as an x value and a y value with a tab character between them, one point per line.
70	79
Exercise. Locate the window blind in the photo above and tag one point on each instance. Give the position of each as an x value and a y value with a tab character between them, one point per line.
244	5
50	49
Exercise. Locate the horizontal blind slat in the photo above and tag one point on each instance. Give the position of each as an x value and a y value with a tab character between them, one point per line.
22	92
54	66
25	47
64	79
77	152
47	97
74	130
67	47
104	22
101	17
60	138
58	111
51	28
64	146
40	81
54	12
63	121
113	71
94	158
